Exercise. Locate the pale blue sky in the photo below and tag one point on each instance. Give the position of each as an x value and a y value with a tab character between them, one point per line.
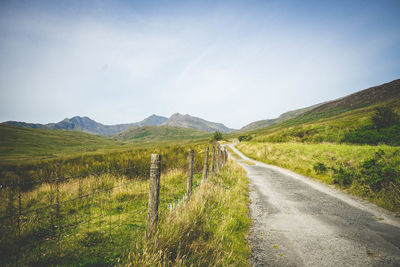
228	61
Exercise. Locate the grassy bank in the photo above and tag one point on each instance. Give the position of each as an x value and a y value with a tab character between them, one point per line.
361	169
99	220
208	230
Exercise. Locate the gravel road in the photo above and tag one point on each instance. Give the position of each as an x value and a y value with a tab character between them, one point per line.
301	222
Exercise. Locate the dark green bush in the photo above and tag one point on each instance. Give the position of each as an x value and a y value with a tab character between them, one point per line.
384	117
385	129
216	136
246	137
370	135
344	176
380	172
320	168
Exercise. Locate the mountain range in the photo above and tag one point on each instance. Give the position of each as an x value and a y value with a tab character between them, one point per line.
85	124
367	97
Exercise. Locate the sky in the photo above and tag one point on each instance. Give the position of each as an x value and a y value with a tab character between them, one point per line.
233	62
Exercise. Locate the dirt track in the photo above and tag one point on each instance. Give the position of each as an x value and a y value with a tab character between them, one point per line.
300	222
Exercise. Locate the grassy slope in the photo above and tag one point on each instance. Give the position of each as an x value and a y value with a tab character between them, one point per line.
285	116
301	158
23	145
318	128
160	133
210	230
18	144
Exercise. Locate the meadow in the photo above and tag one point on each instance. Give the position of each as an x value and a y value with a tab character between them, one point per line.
92	216
89	208
372	172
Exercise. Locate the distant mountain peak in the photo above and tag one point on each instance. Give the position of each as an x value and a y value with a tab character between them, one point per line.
188	121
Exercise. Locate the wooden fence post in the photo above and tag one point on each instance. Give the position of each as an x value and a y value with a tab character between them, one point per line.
190	173
265	151
205	166
213	160
224	155
155	173
218	159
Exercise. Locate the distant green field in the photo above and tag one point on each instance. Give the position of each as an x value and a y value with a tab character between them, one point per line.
160	133
23	144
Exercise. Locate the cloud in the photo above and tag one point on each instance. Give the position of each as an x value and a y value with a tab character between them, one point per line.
233	63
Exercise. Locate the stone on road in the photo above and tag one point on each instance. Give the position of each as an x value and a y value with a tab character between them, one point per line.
300	222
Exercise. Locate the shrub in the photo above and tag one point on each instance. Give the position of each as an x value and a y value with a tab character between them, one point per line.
216	136
381	171
370	135
246	137
343	176
320	168
384	117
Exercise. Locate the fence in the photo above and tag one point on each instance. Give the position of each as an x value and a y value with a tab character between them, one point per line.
98	218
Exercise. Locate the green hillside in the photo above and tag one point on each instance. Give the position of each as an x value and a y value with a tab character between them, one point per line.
330	129
329	122
17	144
160	133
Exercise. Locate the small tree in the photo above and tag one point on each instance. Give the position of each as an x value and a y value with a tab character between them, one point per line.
247	137
384	117
216	136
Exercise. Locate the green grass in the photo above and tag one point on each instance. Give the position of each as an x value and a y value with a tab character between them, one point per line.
36	154
303	159
22	144
117	219
160	133
108	226
209	230
316	128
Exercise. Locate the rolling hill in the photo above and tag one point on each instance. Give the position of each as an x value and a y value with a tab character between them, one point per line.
283	117
18	143
187	121
328	122
160	133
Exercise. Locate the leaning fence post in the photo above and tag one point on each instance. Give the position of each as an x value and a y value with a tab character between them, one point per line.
213	160
218	159
205	166
225	156
155	173
190	173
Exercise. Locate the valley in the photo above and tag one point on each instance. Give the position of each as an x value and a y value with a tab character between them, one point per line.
336	143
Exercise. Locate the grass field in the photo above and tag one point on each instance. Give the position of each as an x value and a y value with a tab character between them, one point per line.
317	128
160	133
23	144
332	162
209	230
97	229
100	220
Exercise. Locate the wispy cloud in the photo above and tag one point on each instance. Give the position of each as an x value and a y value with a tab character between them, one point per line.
233	62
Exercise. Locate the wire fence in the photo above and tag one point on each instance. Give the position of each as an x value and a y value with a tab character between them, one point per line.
94	219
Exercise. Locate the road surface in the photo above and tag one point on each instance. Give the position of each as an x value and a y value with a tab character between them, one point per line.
301	222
